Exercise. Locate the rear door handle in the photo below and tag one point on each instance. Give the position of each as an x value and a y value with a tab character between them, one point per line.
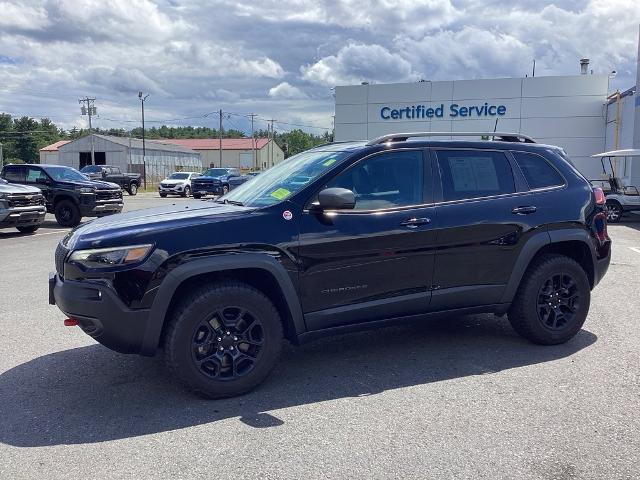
524	210
415	222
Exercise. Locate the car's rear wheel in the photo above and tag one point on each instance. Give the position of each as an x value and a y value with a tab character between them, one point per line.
28	229
187	192
67	213
133	189
223	339
614	211
552	302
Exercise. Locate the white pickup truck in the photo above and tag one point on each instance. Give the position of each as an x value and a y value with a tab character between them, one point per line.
21	206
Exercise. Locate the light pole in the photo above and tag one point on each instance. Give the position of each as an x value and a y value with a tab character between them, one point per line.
144	151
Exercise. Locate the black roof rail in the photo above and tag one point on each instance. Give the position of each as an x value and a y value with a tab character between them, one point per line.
500	136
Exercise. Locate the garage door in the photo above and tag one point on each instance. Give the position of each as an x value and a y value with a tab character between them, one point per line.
246	161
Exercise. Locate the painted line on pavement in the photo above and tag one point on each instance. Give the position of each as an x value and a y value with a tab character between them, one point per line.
635	249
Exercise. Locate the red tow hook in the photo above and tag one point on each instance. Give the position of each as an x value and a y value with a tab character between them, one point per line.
70	322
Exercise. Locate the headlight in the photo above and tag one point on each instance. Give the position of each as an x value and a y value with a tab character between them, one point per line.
3	196
110	257
85	190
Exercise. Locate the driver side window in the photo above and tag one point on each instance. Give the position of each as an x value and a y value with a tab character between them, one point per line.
393	179
35	175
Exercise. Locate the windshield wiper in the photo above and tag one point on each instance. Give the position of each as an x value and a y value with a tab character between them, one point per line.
230	202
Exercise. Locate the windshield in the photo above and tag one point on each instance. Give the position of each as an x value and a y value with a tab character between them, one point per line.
91	169
283	180
61	174
178	176
215	172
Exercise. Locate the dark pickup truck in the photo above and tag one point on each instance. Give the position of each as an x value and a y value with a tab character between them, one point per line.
68	194
127	181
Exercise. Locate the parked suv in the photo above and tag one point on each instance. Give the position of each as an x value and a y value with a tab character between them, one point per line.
127	181
68	194
21	207
214	181
342	237
178	183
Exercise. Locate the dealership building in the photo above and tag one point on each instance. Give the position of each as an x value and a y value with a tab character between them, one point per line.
574	112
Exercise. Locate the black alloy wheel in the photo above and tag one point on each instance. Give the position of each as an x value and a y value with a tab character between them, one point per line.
558	301
228	345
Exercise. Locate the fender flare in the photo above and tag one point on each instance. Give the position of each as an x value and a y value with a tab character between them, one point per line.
533	246
218	263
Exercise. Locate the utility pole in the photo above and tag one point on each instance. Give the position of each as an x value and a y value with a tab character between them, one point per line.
253	145
1	158
144	149
88	108
220	137
272	139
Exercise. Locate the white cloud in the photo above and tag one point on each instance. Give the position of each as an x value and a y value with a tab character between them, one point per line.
356	63
286	90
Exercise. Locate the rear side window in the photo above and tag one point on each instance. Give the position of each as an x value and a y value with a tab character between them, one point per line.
14	174
537	171
474	173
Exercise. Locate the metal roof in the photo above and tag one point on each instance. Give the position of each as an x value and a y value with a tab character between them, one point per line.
214	143
54	146
149	144
629	152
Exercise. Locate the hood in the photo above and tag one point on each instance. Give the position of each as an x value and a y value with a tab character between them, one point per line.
116	229
97	184
173	182
204	177
15	188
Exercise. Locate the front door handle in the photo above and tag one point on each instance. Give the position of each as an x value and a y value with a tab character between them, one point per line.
415	222
524	210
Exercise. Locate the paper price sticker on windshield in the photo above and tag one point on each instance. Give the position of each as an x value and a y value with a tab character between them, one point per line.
329	162
280	193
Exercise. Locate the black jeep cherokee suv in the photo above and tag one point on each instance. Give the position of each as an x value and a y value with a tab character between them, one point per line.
69	195
341	237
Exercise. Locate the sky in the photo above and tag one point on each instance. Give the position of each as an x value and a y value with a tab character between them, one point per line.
279	59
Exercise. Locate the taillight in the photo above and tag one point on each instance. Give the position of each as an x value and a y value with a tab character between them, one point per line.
599	194
600	226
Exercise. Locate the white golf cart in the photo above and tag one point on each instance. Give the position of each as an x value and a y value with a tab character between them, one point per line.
620	198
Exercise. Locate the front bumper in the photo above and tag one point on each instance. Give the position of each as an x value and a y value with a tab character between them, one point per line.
101	207
22	216
100	314
177	189
207	189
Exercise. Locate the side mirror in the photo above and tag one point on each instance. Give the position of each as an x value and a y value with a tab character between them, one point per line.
42	181
336	199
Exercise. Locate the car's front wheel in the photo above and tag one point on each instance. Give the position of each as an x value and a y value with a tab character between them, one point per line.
28	228
133	189
552	302
197	195
187	192
223	339
67	213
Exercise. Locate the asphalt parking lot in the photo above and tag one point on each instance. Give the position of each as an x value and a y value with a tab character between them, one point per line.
460	398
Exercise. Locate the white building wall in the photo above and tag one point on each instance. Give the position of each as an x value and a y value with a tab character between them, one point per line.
565	111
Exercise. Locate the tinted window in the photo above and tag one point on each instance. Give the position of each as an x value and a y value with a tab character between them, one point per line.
91	169
14	174
34	175
474	173
537	171
388	180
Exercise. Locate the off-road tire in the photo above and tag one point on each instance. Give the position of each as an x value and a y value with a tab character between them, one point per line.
525	314
188	316
67	213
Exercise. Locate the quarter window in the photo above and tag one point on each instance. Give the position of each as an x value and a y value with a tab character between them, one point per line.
537	171
388	180
474	173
